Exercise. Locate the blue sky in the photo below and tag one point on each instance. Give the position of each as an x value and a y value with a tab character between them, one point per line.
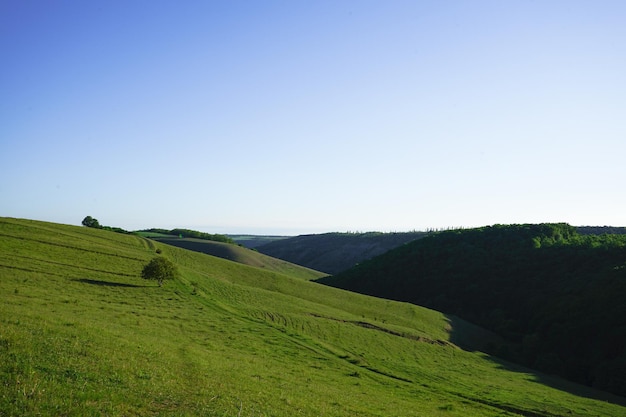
292	117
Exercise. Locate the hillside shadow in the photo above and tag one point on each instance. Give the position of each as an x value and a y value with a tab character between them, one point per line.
472	338
107	283
559	383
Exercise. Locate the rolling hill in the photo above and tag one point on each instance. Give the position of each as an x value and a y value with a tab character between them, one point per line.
241	255
82	334
335	252
555	295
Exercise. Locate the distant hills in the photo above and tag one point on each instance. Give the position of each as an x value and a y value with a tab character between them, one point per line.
330	253
555	292
601	230
254	241
239	254
335	252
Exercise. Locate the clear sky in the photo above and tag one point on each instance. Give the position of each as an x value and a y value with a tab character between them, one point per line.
293	117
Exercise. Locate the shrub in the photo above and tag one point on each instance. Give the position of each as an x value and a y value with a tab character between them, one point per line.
159	269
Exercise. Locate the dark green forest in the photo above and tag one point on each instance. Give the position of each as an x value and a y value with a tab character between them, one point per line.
557	296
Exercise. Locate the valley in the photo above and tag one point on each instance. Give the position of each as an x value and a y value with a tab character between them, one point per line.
81	333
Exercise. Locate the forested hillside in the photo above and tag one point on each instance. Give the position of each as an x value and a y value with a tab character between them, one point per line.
556	295
336	252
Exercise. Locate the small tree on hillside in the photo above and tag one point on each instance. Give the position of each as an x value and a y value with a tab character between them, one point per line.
159	269
91	222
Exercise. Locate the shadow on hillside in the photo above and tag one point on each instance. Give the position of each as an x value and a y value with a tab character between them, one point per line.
559	383
473	338
108	283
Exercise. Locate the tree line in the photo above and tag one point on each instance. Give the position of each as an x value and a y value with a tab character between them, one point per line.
94	223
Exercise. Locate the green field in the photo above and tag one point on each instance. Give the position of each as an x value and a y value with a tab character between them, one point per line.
81	334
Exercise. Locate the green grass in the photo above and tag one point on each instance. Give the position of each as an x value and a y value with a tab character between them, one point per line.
242	255
81	334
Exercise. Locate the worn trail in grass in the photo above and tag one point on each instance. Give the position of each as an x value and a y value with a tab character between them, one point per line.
82	334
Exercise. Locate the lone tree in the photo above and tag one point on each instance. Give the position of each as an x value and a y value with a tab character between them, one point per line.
159	269
91	222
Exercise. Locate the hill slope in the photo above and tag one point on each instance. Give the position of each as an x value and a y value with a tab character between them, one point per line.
82	334
556	295
335	252
241	255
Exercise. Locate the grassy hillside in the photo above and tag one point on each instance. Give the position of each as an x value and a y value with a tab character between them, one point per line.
241	255
81	334
557	296
336	252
